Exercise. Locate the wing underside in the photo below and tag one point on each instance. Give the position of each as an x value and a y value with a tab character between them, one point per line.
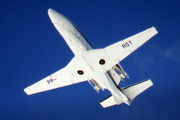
56	80
64	77
116	52
122	49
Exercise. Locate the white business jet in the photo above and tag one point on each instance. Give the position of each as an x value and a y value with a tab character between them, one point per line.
100	67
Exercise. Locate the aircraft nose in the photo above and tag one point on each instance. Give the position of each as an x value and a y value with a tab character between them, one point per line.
50	11
55	16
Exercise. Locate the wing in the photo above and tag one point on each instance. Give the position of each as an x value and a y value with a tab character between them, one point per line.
116	52
64	77
120	50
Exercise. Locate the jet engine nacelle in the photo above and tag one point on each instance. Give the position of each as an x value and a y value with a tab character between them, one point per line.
95	85
120	71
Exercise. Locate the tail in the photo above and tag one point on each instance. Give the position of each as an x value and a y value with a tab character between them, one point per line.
131	92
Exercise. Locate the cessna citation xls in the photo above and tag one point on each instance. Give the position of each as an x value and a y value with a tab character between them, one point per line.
100	67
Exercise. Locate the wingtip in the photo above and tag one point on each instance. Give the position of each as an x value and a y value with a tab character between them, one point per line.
26	91
49	9
153	28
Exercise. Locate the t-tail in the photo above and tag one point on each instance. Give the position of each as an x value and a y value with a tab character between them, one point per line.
130	92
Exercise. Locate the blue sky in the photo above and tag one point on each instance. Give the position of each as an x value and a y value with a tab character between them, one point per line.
31	49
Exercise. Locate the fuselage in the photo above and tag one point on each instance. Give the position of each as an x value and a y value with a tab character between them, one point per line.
82	49
71	34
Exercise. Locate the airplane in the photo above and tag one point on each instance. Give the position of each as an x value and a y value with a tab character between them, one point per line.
100	67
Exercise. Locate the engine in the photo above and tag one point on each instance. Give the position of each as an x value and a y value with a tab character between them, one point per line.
95	85
120	71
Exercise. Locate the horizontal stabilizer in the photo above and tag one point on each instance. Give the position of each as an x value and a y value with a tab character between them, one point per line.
133	90
109	101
